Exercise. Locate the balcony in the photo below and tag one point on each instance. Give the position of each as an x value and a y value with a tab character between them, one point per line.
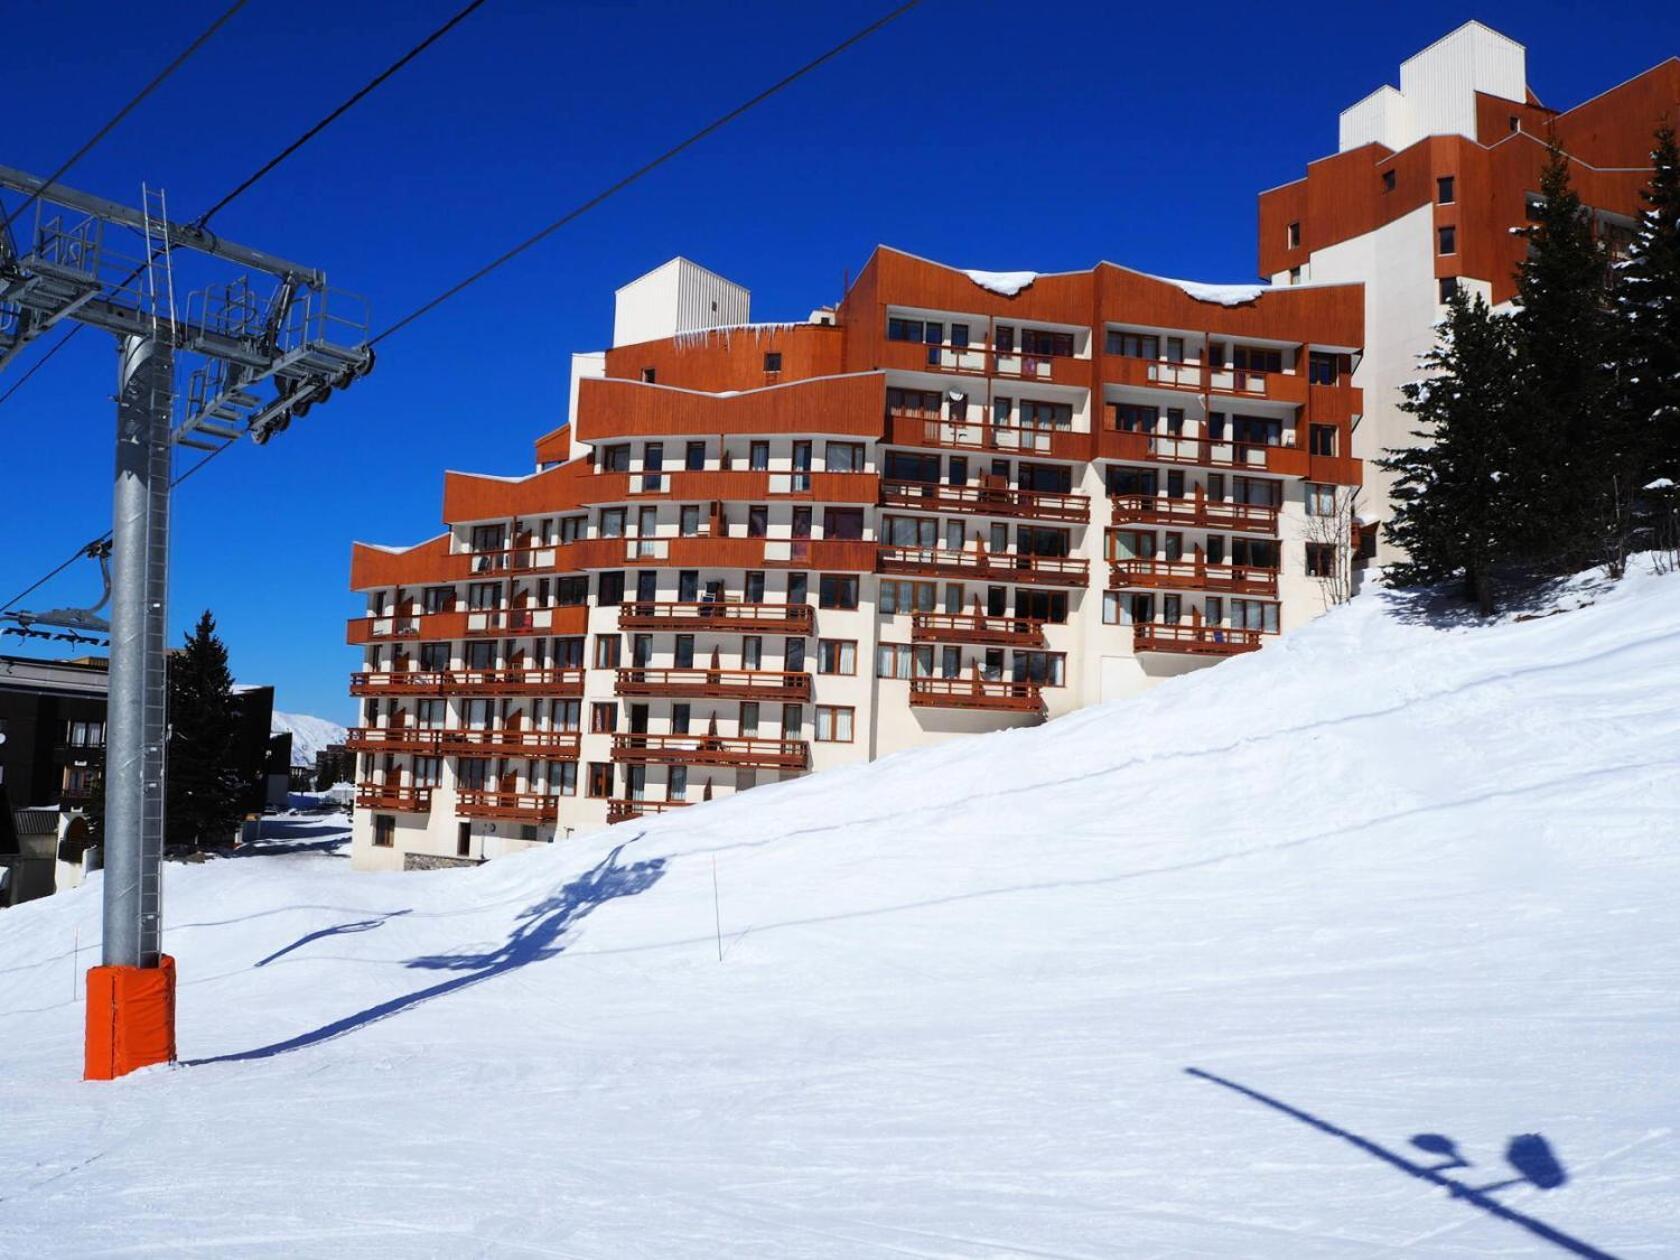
515	682
507	741
1195	575
972	360
920	428
396	799
1196	513
718	618
621	810
527	807
998	695
399	682
439	625
740	751
736	485
1196	378
714	684
1279	460
976	628
984	566
393	739
986	500
1194	640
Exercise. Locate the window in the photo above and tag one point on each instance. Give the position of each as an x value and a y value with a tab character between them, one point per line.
1111	608
562	778
1515	122
1323	368
772	360
676	778
482	595
473	773
1041	341
571	590
844	457
910	531
893	660
615	458
680	716
1135	417
1321	559
836	656
758	456
758	521
384	831
603	717
837	590
1004	336
906	597
1295	235
842	523
648	376
913	401
752	651
682	651
1322	438
568	715
1253	614
1045	415
439	598
834	724
1388	181
607	647
429	714
1294	275
694	456
1175	421
434	656
1449	240
747	723
688	520
1446	287
1254	553
1134	345
1175	349
609	588
600	779
755	586
612	522
1444	190
1050	606
1001	407
1257	358
797	588
1043	668
1321	499
802	523
959	336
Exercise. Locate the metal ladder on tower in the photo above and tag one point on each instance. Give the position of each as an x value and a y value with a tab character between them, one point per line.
160	292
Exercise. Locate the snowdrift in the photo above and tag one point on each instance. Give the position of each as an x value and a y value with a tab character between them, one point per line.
1364	944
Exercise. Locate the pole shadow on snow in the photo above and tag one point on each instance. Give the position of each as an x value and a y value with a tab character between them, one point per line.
536	936
1529	1153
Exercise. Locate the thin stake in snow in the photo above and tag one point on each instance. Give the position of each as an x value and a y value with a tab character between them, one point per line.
717	913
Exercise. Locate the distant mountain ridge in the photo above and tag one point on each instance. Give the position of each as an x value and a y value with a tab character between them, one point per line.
309	734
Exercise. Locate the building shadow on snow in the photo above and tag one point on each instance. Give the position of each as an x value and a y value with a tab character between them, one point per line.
1529	1155
537	935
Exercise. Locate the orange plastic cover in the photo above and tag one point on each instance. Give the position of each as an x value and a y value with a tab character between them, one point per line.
130	1018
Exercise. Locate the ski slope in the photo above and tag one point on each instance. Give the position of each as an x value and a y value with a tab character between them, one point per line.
309	735
1183	976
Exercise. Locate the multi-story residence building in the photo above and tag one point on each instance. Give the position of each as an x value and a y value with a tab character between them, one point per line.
954	503
1429	190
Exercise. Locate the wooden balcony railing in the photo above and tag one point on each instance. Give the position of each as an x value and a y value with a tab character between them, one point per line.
394	739
915	428
400	682
1194	575
503	741
1279	460
718	617
976	628
622	810
531	807
712	750
515	682
981	566
1194	640
973	360
1196	513
985	500
714	684
1287	387
975	693
401	800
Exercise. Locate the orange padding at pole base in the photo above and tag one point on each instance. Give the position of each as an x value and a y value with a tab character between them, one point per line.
130	1018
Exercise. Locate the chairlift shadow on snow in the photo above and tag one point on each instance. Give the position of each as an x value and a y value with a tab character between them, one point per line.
537	935
1529	1154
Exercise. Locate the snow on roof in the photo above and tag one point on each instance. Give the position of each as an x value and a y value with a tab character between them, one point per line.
1661	483
1006	283
1224	294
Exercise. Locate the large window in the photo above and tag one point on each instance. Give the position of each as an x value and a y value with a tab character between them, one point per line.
1257	359
910	531
905	466
1042	341
836	656
1134	345
1321	499
916	401
1324	368
837	590
1321	559
607	649
600	779
1254	614
384	831
843	457
834	724
906	597
844	522
1044	668
1134	417
1045	415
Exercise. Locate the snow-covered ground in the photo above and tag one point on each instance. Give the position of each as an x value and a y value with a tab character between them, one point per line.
309	734
1229	970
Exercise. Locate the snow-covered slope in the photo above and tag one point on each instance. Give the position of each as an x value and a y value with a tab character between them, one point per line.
1182	976
309	735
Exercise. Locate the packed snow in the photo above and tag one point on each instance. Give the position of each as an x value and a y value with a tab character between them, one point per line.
1365	944
309	735
1005	283
1223	294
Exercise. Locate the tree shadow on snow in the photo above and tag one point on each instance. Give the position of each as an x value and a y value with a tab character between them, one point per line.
535	937
1529	1154
1521	597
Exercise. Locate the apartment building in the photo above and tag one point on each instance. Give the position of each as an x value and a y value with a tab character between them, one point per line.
955	503
1428	191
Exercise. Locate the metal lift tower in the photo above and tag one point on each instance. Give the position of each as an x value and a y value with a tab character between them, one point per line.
265	345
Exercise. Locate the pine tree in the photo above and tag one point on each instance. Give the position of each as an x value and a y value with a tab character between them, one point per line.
1564	465
1648	313
1454	512
204	786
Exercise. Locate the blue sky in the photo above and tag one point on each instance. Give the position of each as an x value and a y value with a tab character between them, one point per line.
979	133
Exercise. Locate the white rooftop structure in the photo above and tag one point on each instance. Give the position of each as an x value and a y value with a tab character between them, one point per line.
679	297
1437	92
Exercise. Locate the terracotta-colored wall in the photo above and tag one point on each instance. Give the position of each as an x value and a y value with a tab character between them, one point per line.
732	358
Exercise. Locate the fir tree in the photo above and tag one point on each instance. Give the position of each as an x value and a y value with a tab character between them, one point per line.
204	787
1564	455
1648	313
1454	510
